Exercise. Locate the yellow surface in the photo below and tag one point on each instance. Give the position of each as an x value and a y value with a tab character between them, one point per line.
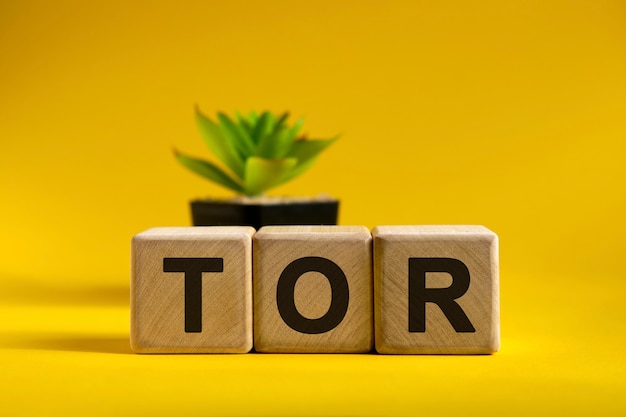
509	114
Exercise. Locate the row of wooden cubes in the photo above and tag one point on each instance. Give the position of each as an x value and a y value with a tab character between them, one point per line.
313	289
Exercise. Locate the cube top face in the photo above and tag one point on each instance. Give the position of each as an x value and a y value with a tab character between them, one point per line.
308	233
194	233
160	258
426	279
409	232
301	274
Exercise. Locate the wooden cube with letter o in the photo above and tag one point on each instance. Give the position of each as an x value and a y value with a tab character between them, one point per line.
313	289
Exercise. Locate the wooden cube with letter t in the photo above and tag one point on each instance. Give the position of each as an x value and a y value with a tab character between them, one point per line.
436	289
191	290
313	289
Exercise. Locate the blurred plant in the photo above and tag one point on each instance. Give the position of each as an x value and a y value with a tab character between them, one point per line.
259	151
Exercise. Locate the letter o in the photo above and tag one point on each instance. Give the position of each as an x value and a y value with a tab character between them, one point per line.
285	293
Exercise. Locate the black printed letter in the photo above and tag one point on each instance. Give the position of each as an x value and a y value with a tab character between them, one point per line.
419	295
193	269
286	302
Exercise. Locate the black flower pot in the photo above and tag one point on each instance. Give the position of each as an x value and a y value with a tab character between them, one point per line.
259	212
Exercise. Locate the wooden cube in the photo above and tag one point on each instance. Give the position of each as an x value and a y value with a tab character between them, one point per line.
436	289
313	289
191	290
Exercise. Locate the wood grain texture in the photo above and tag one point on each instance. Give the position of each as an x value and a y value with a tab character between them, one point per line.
158	297
477	248
350	248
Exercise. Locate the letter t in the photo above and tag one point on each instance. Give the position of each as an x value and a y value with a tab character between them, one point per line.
193	269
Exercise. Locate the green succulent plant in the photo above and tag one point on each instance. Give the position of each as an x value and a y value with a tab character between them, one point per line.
258	151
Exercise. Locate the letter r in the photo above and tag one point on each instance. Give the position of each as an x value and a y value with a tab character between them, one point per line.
445	298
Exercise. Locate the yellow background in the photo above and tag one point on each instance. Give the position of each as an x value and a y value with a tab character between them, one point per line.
509	114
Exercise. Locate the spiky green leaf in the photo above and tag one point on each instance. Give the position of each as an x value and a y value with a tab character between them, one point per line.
253	117
209	171
275	145
281	121
305	150
263	126
298	170
220	145
295	129
263	174
237	135
242	120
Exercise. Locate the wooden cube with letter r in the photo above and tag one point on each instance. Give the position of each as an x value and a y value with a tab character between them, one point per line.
313	289
191	290
436	289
